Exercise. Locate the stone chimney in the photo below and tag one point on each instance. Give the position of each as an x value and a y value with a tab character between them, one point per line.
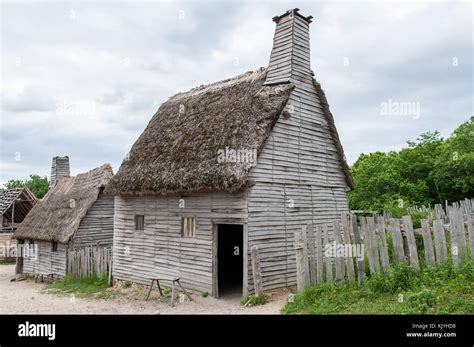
59	169
290	58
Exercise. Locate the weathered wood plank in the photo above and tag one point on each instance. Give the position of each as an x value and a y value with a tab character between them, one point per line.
428	243
397	239
383	246
300	262
470	229
305	250
358	241
256	271
440	242
411	242
328	263
345	219
339	258
319	254
311	253
373	246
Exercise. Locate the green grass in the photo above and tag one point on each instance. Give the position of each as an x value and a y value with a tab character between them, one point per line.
443	290
91	287
7	261
254	300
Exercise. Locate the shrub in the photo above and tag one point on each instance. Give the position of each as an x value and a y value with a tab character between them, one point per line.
421	300
254	300
204	294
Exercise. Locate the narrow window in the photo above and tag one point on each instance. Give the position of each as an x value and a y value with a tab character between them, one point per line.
31	242
54	247
189	227
139	222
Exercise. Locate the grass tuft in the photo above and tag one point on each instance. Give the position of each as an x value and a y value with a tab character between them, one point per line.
92	286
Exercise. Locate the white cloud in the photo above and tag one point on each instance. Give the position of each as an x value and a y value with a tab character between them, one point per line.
84	79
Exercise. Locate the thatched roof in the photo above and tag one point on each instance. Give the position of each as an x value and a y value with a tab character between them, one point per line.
178	150
58	216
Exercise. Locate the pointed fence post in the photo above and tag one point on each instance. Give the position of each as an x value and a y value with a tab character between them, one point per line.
319	254
359	245
328	260
428	243
440	242
311	254
348	246
256	272
300	261
397	239
411	242
470	229
383	246
339	259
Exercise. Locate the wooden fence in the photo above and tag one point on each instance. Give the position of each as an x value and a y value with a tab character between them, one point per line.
89	261
340	250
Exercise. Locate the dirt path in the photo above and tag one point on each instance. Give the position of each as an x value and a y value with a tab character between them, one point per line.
25	297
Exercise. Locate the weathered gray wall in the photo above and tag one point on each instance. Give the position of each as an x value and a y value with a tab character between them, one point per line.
97	227
158	250
299	164
45	261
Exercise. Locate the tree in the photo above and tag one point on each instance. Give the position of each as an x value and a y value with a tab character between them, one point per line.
37	184
430	170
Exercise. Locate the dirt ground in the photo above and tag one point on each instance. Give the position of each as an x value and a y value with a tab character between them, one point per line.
26	297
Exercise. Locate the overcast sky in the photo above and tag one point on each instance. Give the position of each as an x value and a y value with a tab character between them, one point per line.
84	78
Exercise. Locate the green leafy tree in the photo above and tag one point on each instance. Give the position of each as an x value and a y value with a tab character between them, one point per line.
37	184
430	170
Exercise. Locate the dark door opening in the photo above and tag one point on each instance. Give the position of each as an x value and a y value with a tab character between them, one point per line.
230	242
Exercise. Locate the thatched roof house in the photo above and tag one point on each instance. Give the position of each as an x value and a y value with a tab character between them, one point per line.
192	198
74	213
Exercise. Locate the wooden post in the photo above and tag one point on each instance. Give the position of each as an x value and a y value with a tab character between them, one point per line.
458	236
257	275
383	246
311	254
368	245
373	243
300	261
397	239
358	241
347	243
470	229
339	258
319	254
411	242
329	275
428	243
305	254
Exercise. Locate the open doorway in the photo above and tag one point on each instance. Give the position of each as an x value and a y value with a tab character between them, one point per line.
230	242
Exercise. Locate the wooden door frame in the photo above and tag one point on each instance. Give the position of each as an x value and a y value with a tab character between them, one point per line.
215	244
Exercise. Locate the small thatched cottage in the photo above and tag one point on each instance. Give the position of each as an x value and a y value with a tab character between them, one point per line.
73	214
191	198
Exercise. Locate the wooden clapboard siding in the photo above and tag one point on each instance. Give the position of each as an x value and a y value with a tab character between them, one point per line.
44	260
159	249
298	164
97	227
